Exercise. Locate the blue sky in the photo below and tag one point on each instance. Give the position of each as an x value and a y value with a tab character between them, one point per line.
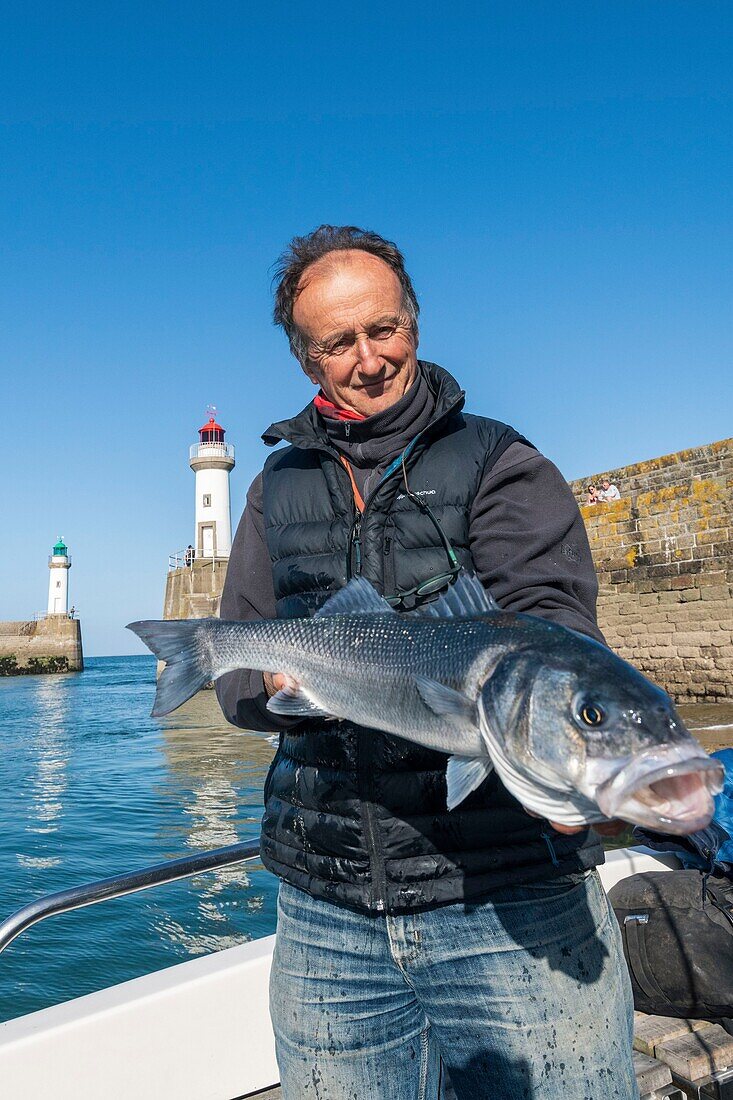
558	176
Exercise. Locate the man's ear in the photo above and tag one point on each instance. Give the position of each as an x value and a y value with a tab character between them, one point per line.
308	371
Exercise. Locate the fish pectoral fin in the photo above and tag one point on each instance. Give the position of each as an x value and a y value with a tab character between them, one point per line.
446	701
463	775
294	703
359	597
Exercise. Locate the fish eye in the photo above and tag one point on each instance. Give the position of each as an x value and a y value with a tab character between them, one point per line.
591	714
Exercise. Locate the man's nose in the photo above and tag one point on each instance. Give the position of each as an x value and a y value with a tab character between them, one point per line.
369	359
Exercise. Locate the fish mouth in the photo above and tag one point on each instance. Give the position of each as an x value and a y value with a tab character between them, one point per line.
669	788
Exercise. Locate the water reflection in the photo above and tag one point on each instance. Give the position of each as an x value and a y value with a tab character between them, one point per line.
216	772
47	782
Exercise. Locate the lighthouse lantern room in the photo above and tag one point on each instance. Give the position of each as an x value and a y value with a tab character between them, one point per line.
59	564
211	459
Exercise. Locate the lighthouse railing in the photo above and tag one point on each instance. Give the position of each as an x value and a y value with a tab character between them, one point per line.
72	613
211	450
184	559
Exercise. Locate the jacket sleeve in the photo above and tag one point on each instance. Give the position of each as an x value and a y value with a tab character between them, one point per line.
249	594
528	542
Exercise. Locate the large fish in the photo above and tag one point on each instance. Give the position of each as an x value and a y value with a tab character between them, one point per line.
573	731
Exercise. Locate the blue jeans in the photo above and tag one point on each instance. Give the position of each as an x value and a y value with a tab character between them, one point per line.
523	995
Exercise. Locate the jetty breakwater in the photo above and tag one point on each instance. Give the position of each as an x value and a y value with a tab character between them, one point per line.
51	644
664	558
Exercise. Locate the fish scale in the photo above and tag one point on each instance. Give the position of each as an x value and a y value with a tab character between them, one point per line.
574	732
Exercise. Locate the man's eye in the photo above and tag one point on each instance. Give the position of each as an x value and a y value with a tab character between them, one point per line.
383	332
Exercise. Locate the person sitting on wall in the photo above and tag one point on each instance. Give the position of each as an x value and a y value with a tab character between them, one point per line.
592	497
608	491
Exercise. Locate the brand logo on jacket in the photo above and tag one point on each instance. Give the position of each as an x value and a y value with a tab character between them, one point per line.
418	493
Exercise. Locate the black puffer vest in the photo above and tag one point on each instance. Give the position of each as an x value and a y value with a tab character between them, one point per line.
352	815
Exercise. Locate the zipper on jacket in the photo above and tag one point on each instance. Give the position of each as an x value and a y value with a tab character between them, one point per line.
364	740
354	562
374	849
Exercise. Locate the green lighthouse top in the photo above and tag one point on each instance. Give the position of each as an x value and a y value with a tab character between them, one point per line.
60	549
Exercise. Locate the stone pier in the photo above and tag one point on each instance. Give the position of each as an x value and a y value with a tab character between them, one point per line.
194	592
52	644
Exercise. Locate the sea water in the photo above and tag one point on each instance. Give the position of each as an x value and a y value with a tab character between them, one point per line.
93	786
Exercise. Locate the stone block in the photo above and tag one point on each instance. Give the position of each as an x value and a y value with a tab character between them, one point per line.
715	592
698	1054
716	535
695	638
651	1075
652	1030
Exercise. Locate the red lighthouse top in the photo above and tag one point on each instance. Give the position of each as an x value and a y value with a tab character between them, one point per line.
211	432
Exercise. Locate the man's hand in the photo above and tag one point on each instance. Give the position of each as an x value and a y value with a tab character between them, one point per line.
278	681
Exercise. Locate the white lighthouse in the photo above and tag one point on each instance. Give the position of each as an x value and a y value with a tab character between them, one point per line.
59	564
211	459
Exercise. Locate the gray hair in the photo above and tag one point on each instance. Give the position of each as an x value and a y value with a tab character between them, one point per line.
304	251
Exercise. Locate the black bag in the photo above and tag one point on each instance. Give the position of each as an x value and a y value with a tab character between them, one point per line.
677	929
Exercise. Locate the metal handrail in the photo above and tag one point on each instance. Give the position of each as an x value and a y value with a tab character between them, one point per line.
119	885
211	450
177	560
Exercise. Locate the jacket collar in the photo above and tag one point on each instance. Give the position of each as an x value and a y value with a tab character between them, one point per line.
306	430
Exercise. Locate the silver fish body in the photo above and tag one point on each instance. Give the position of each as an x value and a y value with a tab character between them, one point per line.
574	732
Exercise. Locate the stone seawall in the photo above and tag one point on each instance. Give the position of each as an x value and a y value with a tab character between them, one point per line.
47	645
664	557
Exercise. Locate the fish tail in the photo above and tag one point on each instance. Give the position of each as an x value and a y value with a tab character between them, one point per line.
189	655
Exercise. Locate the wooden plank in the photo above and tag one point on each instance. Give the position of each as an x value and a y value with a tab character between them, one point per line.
650	1031
650	1074
698	1054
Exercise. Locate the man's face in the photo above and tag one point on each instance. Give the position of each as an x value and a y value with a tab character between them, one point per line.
605	484
361	345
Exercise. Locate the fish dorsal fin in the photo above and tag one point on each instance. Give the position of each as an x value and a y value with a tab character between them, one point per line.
359	597
464	599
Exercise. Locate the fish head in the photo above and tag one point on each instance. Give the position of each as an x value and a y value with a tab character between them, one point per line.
588	721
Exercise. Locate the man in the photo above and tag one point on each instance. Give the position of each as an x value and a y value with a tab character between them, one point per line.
609	491
410	938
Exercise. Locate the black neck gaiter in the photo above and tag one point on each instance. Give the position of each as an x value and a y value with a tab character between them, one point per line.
370	445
